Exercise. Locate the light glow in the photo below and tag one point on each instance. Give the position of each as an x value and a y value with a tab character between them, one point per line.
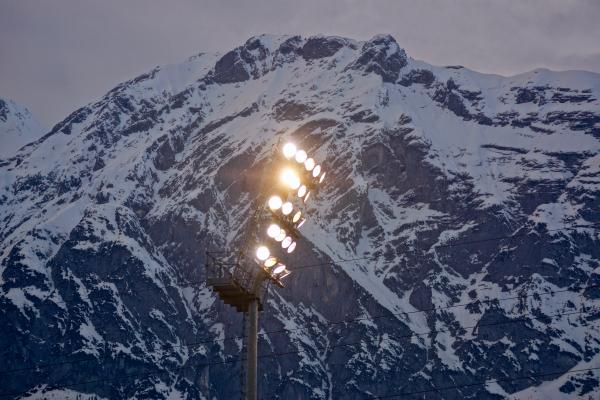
301	156
275	203
306	197
301	222
273	230
286	242
281	236
322	177
302	191
286	208
316	171
297	217
262	253
289	150
289	178
292	247
309	164
279	268
270	262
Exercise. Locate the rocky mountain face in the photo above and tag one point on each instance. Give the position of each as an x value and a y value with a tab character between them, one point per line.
452	253
18	127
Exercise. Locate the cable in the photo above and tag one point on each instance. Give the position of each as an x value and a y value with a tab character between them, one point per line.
333	262
334	346
511	379
350	321
354	320
268	355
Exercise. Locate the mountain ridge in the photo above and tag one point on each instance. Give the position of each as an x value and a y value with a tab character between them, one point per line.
127	193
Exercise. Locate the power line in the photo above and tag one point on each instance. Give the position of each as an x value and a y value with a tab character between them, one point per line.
268	355
354	320
334	346
333	262
511	379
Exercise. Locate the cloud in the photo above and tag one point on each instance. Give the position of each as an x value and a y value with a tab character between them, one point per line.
59	55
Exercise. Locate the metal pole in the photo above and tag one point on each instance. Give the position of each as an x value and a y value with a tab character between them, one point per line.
252	350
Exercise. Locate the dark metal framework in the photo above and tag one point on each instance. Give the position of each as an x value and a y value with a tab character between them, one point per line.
236	284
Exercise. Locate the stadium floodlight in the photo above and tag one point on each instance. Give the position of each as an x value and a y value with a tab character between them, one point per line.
273	230
301	156
289	178
306	197
262	253
322	177
275	203
301	223
302	191
287	208
285	243
278	269
296	217
316	171
281	236
295	183
289	150
309	164
291	247
270	262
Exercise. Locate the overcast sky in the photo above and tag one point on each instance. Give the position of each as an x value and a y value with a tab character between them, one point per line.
58	55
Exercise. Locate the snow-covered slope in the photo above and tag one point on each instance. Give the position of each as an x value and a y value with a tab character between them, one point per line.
467	204
17	128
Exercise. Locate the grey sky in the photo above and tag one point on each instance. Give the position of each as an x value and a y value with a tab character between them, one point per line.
58	55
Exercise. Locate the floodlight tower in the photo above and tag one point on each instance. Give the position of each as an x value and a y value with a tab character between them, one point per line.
280	214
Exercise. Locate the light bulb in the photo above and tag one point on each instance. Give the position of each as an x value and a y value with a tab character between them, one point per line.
302	191
270	262
262	253
316	171
322	177
289	178
275	203
287	208
281	236
301	156
297	217
309	164
306	197
289	150
273	230
279	268
292	247
301	222
286	242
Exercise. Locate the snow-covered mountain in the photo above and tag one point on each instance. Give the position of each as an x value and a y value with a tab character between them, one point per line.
468	205
17	127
